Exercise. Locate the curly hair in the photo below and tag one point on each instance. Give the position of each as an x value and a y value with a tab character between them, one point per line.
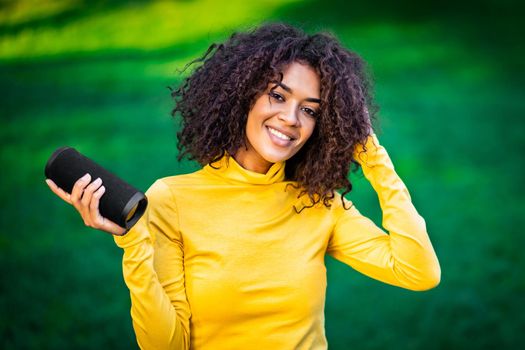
214	101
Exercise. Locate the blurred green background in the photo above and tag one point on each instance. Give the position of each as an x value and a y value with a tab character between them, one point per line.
94	75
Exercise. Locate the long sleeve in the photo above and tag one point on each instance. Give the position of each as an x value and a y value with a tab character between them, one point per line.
154	273
404	257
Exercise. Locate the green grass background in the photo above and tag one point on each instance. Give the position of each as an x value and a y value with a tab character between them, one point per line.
94	75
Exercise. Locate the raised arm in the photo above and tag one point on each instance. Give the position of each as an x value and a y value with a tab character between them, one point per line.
154	273
404	257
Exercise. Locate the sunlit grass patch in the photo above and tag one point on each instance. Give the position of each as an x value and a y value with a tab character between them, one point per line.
84	28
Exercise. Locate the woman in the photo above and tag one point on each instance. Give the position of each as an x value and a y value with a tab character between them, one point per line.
232	256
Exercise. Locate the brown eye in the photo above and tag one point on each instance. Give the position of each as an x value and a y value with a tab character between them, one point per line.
310	112
276	96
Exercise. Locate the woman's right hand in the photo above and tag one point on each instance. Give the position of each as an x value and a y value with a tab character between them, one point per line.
85	197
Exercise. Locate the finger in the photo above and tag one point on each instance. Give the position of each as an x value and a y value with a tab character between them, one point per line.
78	190
99	221
94	212
88	192
113	228
87	196
58	191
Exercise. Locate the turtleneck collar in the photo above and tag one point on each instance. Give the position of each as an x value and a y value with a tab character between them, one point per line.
228	168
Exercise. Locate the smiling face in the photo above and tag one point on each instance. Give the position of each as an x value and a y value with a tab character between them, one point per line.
282	119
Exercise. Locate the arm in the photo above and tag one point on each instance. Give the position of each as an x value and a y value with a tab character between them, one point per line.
154	273
405	256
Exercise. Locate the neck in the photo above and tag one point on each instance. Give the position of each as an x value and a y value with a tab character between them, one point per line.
252	161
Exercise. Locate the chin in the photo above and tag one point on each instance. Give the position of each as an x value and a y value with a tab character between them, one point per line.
274	157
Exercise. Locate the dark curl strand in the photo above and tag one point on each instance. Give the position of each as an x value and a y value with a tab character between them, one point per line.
212	104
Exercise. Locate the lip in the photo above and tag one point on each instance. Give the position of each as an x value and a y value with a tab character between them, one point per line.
278	141
290	135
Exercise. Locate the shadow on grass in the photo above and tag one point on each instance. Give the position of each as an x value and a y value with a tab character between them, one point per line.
69	14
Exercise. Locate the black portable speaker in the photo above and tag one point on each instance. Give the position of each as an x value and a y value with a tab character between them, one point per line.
121	202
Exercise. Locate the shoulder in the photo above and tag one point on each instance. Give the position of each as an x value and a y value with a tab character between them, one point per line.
342	206
338	206
165	188
195	178
174	181
162	187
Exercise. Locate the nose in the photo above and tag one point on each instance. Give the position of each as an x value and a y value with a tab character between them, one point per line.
289	115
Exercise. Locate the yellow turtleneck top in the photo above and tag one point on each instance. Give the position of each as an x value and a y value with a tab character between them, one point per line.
221	260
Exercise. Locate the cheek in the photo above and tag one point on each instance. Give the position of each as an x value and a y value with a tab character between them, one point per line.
253	130
309	127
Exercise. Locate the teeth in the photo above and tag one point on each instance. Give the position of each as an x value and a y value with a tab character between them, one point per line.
279	134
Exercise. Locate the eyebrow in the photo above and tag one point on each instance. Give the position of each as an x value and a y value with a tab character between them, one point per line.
287	88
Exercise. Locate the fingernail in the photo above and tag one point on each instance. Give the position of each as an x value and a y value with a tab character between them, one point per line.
85	177
98	181
48	181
